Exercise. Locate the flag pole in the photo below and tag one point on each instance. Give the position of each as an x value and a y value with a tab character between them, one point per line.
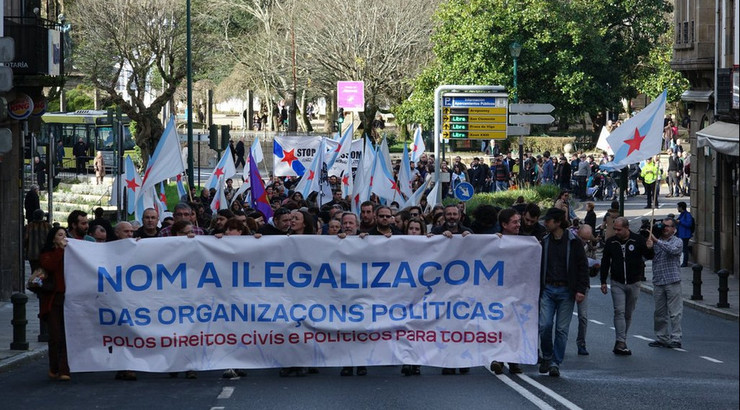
655	189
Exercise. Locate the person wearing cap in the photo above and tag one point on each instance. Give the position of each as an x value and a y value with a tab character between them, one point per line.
563	282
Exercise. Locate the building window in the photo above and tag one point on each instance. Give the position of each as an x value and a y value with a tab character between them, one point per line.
686	32
678	33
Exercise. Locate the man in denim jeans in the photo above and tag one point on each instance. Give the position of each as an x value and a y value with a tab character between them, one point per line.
563	281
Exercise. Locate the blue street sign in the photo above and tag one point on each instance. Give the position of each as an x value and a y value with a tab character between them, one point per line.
471	101
464	191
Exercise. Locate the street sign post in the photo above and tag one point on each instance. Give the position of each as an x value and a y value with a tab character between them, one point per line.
468	112
531	119
474	116
531	108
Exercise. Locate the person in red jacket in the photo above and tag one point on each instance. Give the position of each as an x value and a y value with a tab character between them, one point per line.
52	302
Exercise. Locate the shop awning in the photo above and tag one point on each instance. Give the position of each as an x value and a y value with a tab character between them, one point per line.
703	96
720	136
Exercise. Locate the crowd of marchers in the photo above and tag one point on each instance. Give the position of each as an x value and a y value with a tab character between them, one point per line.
572	251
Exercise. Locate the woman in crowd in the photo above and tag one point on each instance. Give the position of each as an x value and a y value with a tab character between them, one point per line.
334	227
52	302
302	223
182	228
414	226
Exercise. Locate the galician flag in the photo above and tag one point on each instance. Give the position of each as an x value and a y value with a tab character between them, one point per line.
166	161
181	191
225	168
314	179
133	183
404	175
418	146
219	199
640	137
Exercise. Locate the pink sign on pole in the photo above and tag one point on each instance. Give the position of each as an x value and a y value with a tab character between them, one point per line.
351	95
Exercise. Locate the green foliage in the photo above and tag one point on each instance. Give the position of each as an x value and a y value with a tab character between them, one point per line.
542	195
656	74
577	55
538	145
77	99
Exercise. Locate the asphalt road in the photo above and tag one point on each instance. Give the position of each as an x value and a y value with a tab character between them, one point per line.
704	374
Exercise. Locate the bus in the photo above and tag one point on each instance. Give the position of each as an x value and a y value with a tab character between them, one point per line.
95	129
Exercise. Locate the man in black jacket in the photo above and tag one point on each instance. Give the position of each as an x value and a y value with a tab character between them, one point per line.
623	256
564	281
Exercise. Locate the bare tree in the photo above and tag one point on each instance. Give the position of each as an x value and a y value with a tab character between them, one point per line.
384	43
132	41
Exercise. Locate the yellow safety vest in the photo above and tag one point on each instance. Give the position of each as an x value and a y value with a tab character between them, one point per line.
649	172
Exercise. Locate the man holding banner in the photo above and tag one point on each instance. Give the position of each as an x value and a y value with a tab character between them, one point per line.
564	280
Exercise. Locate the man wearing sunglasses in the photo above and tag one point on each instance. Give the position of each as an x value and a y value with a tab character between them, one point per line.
384	223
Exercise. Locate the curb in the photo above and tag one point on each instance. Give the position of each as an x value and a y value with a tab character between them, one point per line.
21	358
700	306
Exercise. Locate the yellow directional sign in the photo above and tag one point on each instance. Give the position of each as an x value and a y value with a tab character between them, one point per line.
474	116
473	126
450	134
487	118
487	110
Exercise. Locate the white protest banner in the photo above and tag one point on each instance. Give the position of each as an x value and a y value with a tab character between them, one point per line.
354	154
203	303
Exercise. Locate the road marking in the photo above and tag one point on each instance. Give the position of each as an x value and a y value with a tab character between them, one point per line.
226	392
595	321
711	359
218	408
647	339
562	400
679	349
541	404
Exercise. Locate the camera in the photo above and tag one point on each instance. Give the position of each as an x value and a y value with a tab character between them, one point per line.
656	229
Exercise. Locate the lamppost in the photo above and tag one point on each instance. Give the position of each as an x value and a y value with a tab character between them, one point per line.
515	49
189	58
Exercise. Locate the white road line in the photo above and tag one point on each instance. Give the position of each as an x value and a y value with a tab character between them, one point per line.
218	408
226	392
647	339
711	359
611	327
560	399
595	321
541	404
679	349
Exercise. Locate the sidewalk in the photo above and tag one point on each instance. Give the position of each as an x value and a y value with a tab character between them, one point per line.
710	284
709	291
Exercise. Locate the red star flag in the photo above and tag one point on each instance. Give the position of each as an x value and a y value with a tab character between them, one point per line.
418	147
382	182
224	169
219	199
166	161
640	137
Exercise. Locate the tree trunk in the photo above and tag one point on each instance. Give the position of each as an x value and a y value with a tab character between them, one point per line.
148	131
304	120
